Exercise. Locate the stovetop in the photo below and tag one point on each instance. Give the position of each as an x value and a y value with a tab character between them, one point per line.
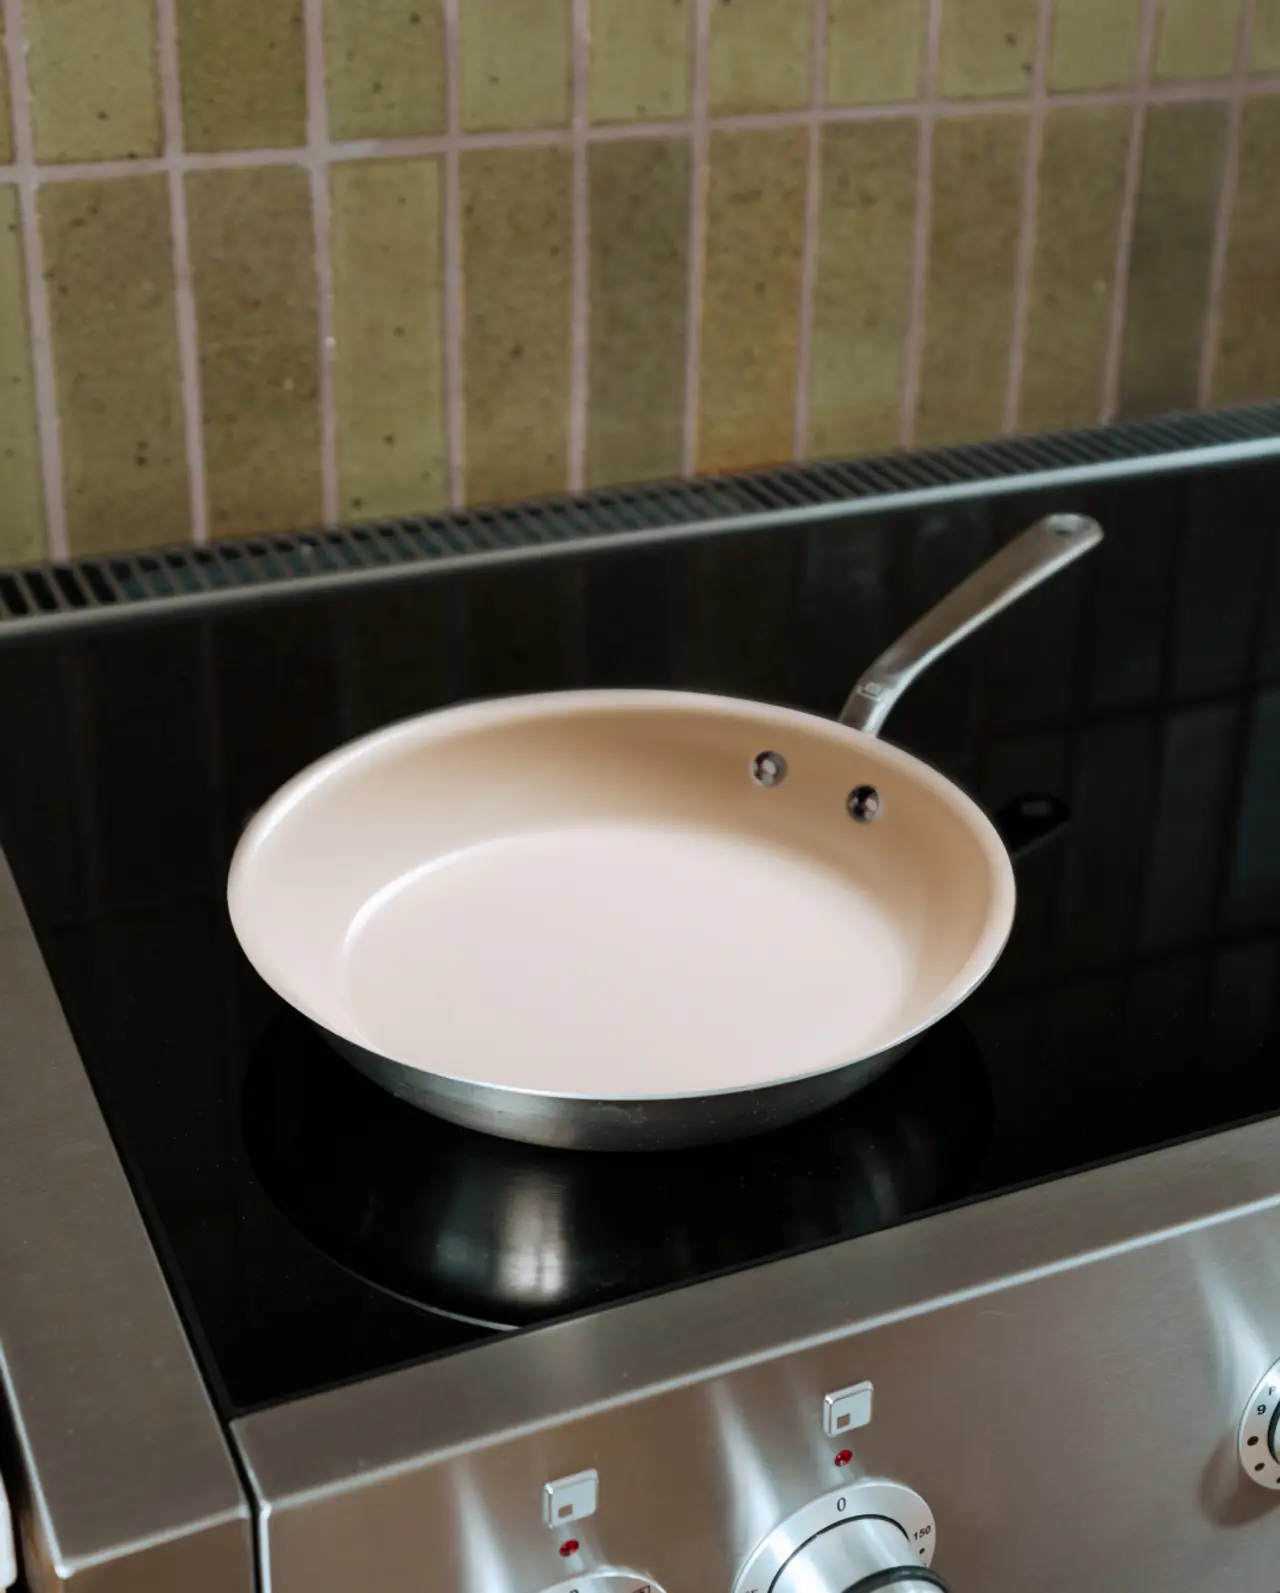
314	1230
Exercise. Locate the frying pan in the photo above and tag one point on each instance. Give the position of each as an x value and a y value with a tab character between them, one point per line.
631	920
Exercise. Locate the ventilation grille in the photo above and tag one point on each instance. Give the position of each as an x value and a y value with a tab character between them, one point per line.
96	590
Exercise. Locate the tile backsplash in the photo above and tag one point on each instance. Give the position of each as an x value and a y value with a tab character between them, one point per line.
265	263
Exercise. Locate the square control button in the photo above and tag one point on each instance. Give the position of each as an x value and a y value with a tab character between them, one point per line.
846	1409
570	1498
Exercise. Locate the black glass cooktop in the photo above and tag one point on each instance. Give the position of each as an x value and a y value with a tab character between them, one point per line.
316	1230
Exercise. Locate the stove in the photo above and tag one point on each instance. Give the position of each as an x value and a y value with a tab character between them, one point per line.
1006	1306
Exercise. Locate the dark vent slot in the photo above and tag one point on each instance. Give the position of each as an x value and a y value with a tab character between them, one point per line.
42	591
880	475
74	595
806	489
185	573
96	581
756	490
935	471
388	535
211	568
236	563
612	512
157	577
12	596
436	543
368	550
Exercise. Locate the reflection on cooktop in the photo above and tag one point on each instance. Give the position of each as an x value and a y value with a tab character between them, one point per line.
505	1235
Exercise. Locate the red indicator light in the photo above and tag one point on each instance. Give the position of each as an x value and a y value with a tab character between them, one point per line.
844	1457
568	1547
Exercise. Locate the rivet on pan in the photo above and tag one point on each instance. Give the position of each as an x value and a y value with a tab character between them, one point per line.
768	768
864	804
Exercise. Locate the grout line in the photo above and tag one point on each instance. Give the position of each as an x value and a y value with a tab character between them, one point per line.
1027	233
27	176
318	159
183	290
1183	92
698	169
913	351
454	394
1129	214
580	312
1226	208
812	223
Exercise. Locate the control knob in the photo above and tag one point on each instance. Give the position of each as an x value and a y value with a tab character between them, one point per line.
1258	1442
871	1536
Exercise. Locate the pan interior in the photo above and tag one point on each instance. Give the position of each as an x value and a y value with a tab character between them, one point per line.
638	958
589	895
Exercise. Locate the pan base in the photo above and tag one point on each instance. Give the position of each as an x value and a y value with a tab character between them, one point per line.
627	960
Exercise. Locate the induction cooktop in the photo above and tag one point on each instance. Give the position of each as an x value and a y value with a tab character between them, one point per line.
314	1230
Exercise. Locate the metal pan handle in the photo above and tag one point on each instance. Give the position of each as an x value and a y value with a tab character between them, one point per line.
1020	566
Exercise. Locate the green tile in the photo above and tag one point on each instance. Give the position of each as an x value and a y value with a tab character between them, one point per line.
1248	364
388	360
874	50
986	47
640	59
108	258
517	208
1197	38
1172	249
21	494
252	251
1095	44
385	64
639	290
1265	56
94	85
516	63
243	68
978	165
863	287
6	117
1081	192
751	298
759	56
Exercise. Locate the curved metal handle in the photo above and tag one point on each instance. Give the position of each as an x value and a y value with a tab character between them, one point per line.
1019	567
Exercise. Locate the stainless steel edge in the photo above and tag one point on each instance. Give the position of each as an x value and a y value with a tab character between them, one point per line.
127	1479
27	627
374	1466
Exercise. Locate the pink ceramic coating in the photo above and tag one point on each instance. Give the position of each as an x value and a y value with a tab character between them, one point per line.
588	894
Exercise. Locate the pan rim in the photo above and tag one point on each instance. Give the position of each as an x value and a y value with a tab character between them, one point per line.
440	723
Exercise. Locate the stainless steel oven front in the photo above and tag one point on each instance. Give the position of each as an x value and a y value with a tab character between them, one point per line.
1051	1391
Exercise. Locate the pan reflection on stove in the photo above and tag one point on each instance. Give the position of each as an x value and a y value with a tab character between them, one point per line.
505	1234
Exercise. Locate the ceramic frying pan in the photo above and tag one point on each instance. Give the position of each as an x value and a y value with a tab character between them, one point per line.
625	920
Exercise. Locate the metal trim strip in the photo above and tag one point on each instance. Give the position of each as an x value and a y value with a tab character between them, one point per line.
123	1455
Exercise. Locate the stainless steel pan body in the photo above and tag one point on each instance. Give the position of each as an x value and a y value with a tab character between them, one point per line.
629	920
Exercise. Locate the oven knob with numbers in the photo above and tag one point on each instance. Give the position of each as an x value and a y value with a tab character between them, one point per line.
870	1536
1258	1441
606	1582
